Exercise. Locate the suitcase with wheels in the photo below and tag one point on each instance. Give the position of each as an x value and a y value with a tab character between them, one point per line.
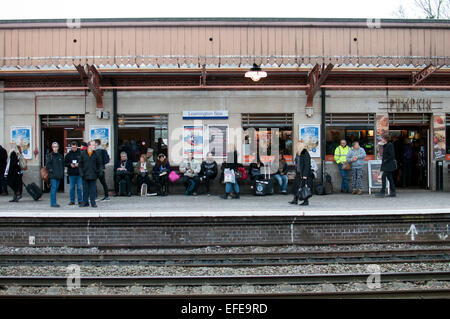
34	191
265	186
123	188
328	185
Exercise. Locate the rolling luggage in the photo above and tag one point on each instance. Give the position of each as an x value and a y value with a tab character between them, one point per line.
123	188
34	191
319	188
328	185
265	186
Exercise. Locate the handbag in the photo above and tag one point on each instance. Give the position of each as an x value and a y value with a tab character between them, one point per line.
22	163
304	192
173	176
346	166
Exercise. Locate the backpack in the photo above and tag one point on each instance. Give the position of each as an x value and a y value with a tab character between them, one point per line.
106	158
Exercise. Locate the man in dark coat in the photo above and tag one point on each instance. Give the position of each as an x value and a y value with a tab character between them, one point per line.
90	168
55	165
72	161
3	161
105	160
388	166
123	170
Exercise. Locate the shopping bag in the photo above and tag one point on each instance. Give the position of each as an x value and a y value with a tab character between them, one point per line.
229	176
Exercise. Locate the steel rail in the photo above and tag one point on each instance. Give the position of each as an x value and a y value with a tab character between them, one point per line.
241	259
121	281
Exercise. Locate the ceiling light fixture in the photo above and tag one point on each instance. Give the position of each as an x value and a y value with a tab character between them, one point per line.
255	73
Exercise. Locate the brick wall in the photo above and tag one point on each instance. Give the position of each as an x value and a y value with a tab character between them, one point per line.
202	231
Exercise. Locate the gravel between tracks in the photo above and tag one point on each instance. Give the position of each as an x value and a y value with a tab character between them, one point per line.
213	249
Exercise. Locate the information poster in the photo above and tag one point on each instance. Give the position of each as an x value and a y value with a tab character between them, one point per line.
103	133
439	147
310	135
217	140
21	136
374	174
193	141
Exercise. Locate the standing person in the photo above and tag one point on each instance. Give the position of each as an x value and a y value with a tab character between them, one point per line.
90	168
356	157
143	170
190	168
55	165
407	163
340	156
208	171
105	160
303	173
14	173
3	162
388	166
123	170
230	163
281	175
161	174
72	162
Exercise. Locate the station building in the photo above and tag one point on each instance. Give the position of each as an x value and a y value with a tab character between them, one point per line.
180	85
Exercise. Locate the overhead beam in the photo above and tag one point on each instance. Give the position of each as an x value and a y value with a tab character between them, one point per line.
424	73
316	78
92	79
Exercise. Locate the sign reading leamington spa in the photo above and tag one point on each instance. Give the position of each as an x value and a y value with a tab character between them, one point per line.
204	115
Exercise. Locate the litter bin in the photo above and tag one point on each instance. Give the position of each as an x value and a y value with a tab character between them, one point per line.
439	175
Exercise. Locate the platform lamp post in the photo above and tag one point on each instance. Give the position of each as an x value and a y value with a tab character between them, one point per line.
255	73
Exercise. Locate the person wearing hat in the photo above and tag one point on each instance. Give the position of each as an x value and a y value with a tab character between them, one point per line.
150	155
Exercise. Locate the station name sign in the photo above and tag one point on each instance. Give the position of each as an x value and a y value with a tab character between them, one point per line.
409	105
204	115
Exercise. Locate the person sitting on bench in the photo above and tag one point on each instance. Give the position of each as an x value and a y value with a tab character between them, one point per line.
123	171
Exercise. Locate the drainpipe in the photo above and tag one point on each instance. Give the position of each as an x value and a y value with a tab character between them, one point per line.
323	136
115	126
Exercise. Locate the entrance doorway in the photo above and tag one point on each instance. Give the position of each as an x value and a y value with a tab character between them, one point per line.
63	129
411	143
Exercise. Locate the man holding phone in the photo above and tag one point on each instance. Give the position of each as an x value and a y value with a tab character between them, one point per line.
72	160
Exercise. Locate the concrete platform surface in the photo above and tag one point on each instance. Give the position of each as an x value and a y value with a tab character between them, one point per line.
406	202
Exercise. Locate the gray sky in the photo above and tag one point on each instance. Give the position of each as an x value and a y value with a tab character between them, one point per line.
62	9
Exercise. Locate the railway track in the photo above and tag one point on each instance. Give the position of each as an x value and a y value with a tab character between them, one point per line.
237	259
309	279
375	294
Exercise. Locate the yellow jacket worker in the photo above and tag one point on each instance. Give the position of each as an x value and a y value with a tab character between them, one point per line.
340	156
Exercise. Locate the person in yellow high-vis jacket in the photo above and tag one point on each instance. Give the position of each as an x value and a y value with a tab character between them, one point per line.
340	156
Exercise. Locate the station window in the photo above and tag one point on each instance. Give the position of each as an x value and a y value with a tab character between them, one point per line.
351	127
262	130
137	133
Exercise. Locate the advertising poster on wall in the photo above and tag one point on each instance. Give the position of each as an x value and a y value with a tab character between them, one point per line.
21	136
103	133
310	135
193	141
217	140
439	146
382	128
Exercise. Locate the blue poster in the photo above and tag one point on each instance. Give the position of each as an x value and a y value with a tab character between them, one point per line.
103	133
310	136
21	136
